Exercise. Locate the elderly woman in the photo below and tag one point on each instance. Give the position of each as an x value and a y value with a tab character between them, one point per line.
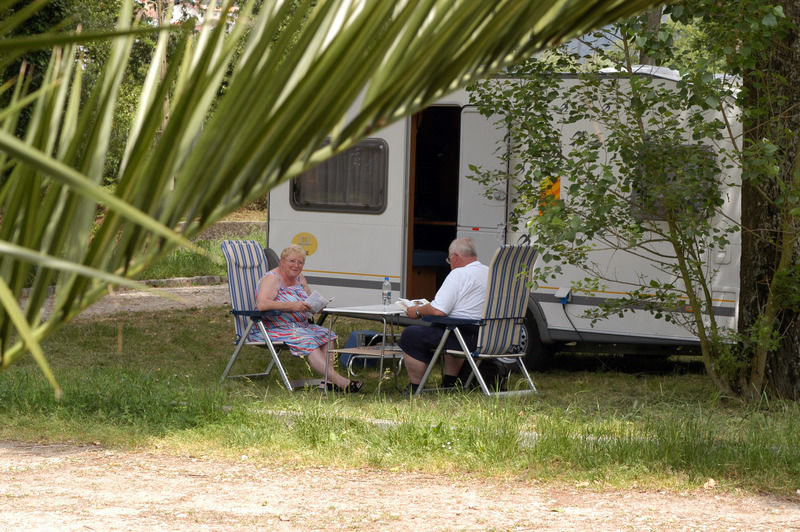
285	289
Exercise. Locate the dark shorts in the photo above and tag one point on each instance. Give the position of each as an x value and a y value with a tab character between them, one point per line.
419	342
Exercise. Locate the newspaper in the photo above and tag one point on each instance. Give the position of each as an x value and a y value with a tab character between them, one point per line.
317	301
408	303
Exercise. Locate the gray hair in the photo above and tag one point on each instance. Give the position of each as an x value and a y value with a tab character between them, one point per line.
293	249
463	247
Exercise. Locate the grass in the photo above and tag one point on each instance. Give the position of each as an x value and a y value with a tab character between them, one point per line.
189	263
595	428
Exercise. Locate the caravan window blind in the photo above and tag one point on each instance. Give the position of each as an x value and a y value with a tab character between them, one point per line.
352	181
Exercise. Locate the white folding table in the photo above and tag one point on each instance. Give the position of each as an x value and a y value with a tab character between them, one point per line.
388	314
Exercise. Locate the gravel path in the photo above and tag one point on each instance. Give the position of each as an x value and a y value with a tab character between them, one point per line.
196	292
164	298
68	487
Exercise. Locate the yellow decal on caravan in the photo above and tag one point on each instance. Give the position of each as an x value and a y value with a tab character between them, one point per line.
306	241
552	188
549	192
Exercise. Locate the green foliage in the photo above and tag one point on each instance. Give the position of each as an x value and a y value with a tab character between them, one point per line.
637	150
206	259
733	32
646	169
742	36
184	262
645	174
46	16
756	41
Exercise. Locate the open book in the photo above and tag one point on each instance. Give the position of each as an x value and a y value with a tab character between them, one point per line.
406	303
317	301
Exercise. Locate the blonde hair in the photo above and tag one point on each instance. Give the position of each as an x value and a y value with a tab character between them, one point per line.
293	249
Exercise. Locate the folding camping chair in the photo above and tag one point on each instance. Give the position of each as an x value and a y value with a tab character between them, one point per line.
502	323
247	263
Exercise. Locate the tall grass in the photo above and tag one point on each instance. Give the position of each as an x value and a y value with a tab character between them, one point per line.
594	428
189	263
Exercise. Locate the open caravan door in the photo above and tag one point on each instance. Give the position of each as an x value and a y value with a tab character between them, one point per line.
480	218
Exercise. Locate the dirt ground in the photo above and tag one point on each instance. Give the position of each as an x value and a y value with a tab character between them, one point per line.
70	487
181	297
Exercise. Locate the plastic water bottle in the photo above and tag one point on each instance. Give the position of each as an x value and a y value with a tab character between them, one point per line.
386	291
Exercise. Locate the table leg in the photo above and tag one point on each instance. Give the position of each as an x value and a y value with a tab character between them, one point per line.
383	349
328	355
394	337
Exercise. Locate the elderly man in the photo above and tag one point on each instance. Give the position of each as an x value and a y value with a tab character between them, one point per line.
461	295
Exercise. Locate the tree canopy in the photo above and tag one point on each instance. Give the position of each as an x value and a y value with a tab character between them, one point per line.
656	169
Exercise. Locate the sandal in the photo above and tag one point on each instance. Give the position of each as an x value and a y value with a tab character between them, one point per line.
353	387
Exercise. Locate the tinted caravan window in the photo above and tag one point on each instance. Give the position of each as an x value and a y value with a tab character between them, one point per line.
352	181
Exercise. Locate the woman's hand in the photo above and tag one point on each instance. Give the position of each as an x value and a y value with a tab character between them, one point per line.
297	306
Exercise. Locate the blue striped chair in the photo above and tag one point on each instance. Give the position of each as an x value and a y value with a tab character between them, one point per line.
247	263
502	324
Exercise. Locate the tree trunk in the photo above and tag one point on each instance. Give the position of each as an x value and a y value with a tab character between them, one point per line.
653	25
762	221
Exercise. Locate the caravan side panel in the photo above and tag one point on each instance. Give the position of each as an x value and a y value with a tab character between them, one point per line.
349	254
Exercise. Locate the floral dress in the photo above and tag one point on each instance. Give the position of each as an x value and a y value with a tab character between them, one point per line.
293	328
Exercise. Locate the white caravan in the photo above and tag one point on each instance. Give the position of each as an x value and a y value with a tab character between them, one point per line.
390	206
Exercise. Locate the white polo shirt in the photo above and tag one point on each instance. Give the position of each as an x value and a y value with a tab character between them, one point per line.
463	291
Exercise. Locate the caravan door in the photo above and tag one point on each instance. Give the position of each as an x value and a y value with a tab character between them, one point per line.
480	217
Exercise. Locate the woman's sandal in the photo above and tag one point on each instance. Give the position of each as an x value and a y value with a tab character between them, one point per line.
353	387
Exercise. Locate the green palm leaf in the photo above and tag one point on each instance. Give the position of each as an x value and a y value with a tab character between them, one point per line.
335	69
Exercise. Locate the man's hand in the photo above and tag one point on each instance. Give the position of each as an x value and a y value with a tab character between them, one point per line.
413	312
423	310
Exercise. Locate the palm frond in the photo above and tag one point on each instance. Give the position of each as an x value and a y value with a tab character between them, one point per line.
296	84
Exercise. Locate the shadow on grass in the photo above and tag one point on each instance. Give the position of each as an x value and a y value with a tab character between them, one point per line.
629	364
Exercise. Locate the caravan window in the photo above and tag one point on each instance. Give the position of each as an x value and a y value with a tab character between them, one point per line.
352	181
675	181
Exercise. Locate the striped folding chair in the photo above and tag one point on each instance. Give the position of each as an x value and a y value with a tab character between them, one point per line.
503	321
247	263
